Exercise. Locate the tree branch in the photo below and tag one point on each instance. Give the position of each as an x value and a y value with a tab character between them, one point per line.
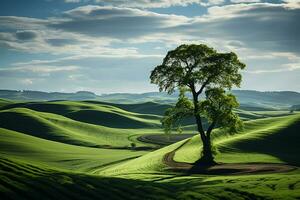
204	85
210	128
196	112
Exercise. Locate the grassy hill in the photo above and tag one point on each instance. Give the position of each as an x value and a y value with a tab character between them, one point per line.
82	150
58	128
273	139
4	102
21	180
99	114
143	108
45	133
46	153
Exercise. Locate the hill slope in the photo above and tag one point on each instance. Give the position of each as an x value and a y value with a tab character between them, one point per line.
99	114
61	150
58	128
45	153
21	180
273	139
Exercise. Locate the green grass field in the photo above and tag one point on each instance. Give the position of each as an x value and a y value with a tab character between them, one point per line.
82	150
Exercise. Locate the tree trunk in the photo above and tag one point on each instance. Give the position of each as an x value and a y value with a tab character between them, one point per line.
207	156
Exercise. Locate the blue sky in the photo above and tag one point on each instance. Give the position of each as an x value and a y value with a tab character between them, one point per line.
111	46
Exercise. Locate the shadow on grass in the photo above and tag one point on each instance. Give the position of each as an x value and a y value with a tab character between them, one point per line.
109	119
25	181
35	126
284	144
87	115
23	123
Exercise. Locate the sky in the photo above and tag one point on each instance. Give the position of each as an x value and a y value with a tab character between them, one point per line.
108	46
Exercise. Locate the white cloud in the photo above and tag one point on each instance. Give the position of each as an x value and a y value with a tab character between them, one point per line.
93	30
150	3
292	4
87	31
234	10
73	1
292	66
284	68
245	1
257	31
27	81
14	22
274	62
36	70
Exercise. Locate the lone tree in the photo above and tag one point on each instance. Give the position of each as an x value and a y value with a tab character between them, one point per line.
199	69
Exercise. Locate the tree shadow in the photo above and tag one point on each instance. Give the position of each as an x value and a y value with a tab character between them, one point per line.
284	144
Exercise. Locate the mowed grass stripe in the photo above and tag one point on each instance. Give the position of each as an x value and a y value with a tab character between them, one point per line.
42	186
182	187
30	182
13	191
20	169
33	183
49	153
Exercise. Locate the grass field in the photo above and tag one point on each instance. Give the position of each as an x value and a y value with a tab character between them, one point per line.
83	150
273	139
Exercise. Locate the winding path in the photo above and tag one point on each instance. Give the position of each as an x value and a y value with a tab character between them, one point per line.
224	168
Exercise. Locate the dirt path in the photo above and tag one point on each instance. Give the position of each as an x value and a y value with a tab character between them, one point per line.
224	168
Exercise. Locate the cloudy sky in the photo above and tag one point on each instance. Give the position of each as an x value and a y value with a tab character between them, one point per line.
109	46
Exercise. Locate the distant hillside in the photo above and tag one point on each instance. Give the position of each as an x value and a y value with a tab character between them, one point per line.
248	98
256	98
161	97
295	107
45	96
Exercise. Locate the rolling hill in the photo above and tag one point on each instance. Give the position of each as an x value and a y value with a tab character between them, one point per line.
83	150
262	140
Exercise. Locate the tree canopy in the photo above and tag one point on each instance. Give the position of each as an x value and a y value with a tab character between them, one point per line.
197	65
200	69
